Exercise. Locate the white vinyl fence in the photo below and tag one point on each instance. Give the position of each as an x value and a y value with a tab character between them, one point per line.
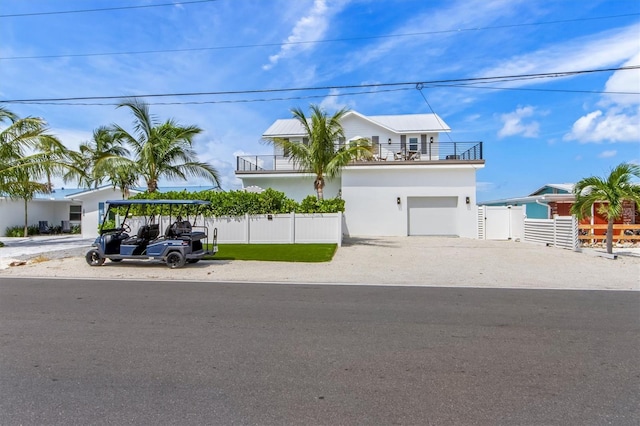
287	228
562	231
500	222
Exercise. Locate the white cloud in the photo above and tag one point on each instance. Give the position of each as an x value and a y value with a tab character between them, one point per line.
608	154
613	125
309	28
618	119
333	101
514	123
603	49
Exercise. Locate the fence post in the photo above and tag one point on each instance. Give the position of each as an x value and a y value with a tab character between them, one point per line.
247	229
292	227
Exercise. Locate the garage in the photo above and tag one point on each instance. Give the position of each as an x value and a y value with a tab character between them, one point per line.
433	215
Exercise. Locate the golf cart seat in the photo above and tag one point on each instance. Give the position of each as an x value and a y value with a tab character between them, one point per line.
178	228
140	238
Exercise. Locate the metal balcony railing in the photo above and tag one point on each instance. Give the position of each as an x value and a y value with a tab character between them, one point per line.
394	152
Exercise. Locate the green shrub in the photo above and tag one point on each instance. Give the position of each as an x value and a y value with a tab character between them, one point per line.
1	244
107	224
76	229
18	231
236	203
311	204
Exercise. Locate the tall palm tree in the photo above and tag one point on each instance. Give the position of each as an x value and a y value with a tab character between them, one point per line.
610	192
19	135
99	157
55	157
321	156
19	169
162	150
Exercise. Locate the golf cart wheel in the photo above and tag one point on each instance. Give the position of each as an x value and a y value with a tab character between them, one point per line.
175	259
193	260
93	258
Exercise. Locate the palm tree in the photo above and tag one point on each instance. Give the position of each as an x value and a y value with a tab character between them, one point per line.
321	156
55	156
162	150
610	193
98	158
19	171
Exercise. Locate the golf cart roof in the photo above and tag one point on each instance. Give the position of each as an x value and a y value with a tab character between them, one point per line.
117	203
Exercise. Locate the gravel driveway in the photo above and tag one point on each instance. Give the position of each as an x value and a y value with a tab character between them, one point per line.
415	261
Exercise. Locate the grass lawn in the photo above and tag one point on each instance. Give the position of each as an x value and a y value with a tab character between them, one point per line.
276	252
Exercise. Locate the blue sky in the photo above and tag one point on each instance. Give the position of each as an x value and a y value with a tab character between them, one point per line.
535	132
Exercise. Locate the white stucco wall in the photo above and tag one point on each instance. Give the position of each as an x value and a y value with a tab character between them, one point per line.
90	202
371	194
295	185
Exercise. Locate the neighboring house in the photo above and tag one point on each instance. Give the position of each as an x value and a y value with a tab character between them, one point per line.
79	206
54	208
550	200
556	200
415	184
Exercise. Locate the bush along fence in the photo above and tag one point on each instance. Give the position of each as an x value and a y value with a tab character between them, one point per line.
256	218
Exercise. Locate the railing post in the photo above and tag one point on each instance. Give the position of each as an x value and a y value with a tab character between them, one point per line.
481	157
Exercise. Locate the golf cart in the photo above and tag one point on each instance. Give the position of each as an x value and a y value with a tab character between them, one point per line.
181	242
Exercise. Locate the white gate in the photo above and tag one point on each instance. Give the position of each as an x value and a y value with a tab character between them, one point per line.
500	222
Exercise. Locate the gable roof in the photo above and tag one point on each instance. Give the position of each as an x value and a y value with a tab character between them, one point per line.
559	188
407	123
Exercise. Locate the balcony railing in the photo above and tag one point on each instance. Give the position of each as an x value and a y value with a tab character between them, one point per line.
407	153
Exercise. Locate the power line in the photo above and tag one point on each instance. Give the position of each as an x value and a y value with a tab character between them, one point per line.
304	42
595	92
228	101
341	87
19	15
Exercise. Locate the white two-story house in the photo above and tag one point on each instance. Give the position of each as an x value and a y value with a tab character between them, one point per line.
416	183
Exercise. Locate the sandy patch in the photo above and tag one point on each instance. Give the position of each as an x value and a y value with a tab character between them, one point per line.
421	261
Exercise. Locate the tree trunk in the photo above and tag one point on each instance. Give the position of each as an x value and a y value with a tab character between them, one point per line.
152	185
610	236
26	221
319	187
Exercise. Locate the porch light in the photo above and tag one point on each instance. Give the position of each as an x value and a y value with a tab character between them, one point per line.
398	200
431	139
467	200
389	141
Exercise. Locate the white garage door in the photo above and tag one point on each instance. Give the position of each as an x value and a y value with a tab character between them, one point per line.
433	215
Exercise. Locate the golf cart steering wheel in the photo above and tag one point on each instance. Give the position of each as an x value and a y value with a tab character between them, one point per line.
125	227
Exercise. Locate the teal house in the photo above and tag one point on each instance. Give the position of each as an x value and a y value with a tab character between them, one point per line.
545	203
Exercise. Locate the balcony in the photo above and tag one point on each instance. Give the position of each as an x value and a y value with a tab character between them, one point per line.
440	152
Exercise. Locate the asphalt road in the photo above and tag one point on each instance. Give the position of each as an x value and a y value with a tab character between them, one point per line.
79	352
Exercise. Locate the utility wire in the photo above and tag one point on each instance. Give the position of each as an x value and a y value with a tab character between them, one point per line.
226	101
303	42
595	92
20	15
342	87
419	87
